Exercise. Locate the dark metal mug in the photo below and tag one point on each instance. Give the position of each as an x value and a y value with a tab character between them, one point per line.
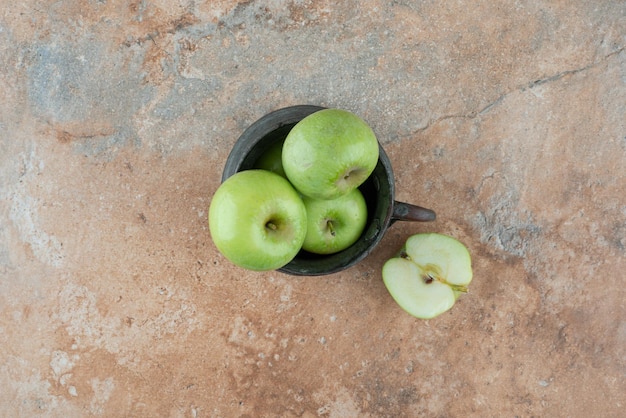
378	191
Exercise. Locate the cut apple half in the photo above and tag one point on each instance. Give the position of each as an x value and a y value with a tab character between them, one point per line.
429	274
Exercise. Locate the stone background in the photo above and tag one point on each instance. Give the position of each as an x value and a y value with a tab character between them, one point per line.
507	118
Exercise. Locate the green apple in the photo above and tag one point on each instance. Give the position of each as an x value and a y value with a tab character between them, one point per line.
257	220
329	153
271	159
429	274
334	225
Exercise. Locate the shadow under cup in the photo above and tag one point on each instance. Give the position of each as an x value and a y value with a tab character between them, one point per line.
378	191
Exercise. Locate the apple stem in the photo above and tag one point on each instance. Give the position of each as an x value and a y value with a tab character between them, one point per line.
271	225
459	287
329	224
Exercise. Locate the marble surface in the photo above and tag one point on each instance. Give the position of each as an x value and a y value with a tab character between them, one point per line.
506	118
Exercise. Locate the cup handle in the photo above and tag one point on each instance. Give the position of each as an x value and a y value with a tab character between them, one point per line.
407	212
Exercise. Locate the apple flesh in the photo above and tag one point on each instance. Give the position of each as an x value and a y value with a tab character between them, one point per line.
257	220
329	153
428	275
334	225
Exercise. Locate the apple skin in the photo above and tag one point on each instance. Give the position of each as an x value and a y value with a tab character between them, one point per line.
329	153
429	274
334	225
257	220
271	159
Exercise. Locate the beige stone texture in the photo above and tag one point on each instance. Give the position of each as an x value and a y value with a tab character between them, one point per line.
507	118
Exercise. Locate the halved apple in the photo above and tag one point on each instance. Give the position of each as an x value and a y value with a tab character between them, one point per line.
429	274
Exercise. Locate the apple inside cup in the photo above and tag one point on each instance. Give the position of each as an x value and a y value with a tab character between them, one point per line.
378	192
334	225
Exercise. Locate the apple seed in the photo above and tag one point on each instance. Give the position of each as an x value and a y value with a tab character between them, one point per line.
428	279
